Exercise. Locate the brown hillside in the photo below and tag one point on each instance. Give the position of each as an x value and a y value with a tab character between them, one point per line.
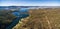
41	19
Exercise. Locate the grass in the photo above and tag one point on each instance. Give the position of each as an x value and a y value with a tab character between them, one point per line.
41	19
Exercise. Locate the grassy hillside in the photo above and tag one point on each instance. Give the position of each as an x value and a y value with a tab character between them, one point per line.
41	19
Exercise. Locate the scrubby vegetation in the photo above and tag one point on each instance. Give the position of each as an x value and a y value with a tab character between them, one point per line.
48	18
6	17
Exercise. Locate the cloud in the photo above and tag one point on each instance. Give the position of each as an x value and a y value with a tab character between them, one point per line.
30	3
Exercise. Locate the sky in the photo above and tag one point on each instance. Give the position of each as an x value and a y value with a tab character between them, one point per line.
29	2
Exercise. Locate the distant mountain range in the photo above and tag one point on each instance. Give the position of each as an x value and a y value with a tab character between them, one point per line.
16	7
29	6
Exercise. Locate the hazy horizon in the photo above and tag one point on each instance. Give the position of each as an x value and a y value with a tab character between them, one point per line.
29	2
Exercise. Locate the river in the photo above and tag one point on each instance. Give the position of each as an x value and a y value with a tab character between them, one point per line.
19	16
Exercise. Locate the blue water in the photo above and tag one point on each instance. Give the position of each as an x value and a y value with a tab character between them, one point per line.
19	16
16	13
21	10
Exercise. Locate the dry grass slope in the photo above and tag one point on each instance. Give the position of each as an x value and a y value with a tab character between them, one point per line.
41	19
